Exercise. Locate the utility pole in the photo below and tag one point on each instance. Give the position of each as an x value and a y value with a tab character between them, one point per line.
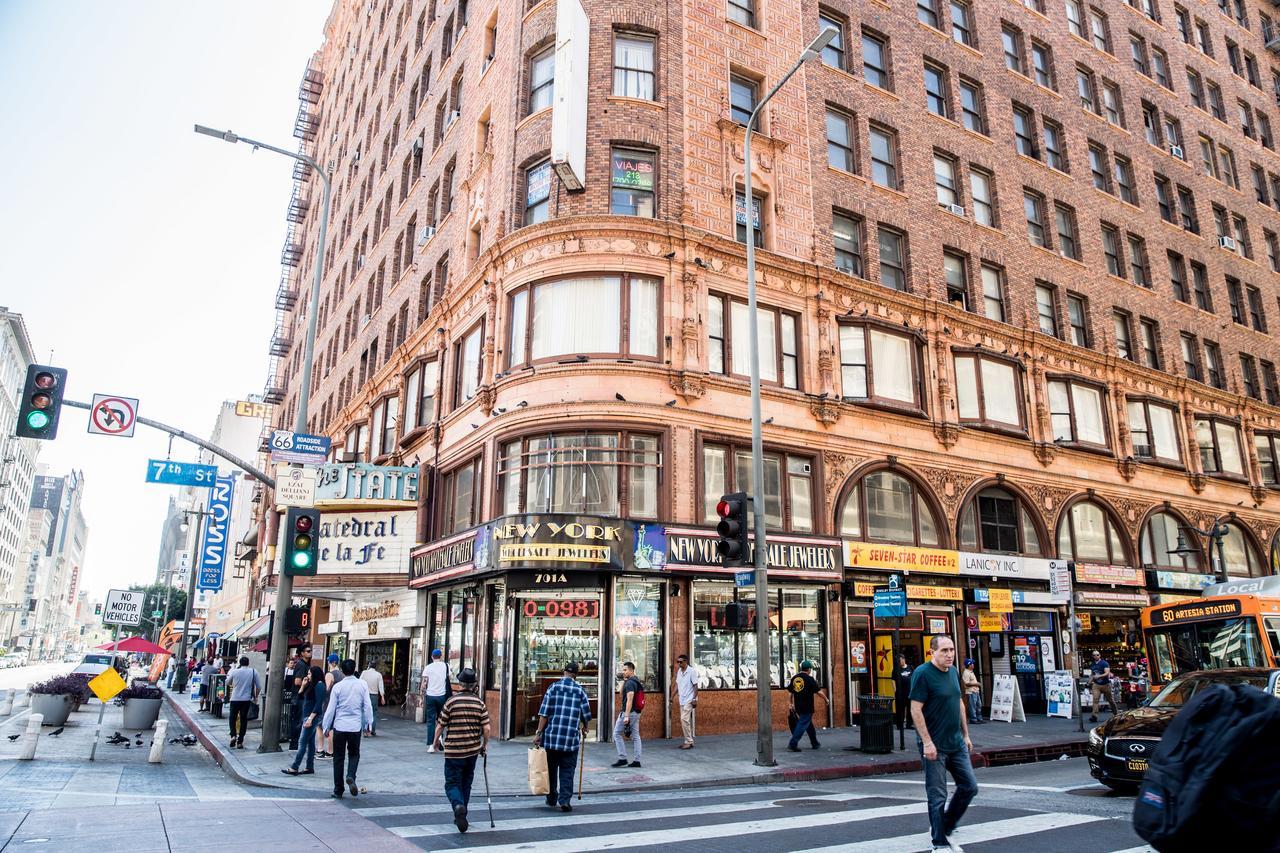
180	676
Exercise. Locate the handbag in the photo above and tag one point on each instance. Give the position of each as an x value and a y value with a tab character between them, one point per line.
253	711
793	719
539	782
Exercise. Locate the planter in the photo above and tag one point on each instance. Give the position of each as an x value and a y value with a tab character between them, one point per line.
56	707
141	713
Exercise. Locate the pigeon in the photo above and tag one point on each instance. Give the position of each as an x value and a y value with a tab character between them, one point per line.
58	732
619	397
12	738
138	742
669	403
669	255
582	358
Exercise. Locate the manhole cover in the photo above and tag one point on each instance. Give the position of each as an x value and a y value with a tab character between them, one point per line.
801	803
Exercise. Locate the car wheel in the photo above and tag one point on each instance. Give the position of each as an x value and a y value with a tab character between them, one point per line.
1129	788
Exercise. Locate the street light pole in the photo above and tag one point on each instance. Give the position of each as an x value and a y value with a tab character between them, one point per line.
1215	534
284	582
764	657
180	676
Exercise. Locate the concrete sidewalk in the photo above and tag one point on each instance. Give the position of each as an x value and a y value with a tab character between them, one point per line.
397	761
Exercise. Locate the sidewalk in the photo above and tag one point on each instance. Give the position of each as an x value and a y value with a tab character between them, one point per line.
397	762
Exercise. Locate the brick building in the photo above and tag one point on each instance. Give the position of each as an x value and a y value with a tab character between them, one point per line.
1017	275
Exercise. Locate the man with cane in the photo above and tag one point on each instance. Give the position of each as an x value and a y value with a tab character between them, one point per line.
463	734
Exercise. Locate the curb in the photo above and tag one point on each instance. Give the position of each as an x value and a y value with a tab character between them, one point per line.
230	764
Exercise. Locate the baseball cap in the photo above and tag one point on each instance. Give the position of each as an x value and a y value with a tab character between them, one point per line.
571	666
333	658
968	661
806	664
467	676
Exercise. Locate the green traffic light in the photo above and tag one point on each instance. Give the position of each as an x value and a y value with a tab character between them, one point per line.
37	419
301	560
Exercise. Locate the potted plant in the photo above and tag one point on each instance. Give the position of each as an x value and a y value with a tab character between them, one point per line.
55	698
83	693
141	703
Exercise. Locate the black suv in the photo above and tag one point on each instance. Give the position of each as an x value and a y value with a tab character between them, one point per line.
1121	748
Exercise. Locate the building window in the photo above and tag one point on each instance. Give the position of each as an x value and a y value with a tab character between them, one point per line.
386	421
879	366
955	272
1154	430
1024	132
846	238
961	22
1124	344
1267	444
1085	89
728	656
1075	18
1164	198
1213	367
1149	330
1160	539
884	156
633	66
988	391
1200	284
1187	210
887	507
1240	555
840	141
1111	250
1054	146
935	91
997	521
926	13
542	80
993	292
1088	534
1178	277
833	53
944	180
788	485
1190	356
1046	309
1257	318
1098	167
616	474
1124	180
537	204
743	12
1065	219
1270	387
893	258
460	498
1033	208
1011	40
729	352
1075	411
1138	270
1138	51
1042	64
875	60
740	219
971	106
1219	445
1249	376
356	443
1099	33
592	315
742	100
468	365
1111	104
1077	318
420	395
984	211
1235	299
631	177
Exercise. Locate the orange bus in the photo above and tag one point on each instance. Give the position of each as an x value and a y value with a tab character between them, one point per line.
1232	624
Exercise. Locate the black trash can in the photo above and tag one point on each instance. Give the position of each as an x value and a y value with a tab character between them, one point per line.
286	720
877	724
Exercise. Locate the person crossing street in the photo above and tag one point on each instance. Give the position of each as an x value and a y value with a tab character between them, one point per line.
564	712
942	735
463	735
349	713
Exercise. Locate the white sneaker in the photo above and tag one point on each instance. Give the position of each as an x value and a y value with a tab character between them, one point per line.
953	847
431	748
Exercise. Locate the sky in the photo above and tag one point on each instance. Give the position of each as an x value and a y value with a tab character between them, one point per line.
145	258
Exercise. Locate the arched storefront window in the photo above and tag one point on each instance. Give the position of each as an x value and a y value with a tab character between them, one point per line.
1160	540
1241	556
1275	554
1088	533
997	520
888	507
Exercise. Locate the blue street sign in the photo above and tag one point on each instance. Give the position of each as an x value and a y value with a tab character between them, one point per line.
299	447
747	578
217	530
890	601
180	473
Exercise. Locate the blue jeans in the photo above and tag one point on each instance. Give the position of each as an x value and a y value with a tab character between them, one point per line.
434	705
975	707
620	738
804	725
944	817
306	748
560	767
458	773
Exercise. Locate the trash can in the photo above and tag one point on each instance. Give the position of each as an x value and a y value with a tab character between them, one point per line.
286	720
217	693
877	724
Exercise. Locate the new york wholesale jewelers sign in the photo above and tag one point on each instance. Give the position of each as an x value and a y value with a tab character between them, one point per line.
217	530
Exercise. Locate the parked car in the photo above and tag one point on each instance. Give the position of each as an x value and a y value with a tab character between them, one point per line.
13	659
98	662
1121	748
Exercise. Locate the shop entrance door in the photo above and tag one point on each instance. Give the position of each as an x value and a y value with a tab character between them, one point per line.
552	629
391	658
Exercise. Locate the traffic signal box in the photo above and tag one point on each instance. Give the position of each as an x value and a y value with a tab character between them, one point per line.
301	541
41	402
734	547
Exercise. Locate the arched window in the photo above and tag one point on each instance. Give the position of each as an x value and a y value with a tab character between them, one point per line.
1241	557
887	507
997	520
1275	554
1160	539
1088	533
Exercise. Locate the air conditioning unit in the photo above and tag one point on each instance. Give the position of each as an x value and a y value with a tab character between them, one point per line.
360	262
364	321
957	209
1176	151
417	146
355	156
1225	242
425	234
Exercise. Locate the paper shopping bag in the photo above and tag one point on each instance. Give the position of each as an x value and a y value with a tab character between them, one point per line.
538	782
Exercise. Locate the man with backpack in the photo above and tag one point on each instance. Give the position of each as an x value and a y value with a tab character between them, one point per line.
628	724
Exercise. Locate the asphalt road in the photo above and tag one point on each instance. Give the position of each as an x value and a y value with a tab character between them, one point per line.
19	677
1048	807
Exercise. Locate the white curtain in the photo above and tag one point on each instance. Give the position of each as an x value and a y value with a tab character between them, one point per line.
1164	434
891	367
572	316
644	316
1229	447
741	346
1088	406
967	389
1000	391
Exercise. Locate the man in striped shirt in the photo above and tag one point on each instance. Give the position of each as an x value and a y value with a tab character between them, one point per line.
464	733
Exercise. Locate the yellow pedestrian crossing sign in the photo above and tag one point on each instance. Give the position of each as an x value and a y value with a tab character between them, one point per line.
106	685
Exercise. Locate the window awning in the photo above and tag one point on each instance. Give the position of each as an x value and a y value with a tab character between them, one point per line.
234	634
258	629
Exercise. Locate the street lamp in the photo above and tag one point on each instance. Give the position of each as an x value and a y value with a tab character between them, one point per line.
764	679
284	582
1215	534
180	674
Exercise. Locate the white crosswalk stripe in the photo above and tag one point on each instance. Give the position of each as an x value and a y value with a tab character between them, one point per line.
994	830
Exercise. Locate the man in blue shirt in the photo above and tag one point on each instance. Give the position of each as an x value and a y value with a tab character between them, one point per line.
1100	686
565	711
349	713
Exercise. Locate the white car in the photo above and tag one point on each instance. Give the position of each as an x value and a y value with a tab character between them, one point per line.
99	662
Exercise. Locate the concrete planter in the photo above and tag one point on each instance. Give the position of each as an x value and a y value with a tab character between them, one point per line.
141	713
56	707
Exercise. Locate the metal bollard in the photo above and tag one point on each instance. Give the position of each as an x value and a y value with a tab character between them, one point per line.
31	737
6	704
23	700
157	742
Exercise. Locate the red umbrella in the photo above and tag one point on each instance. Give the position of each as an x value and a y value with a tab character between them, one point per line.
139	645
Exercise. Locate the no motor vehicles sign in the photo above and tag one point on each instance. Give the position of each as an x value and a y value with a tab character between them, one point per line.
124	607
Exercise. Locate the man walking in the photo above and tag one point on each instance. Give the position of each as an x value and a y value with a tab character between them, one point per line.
435	686
377	693
243	686
298	670
1100	686
803	688
942	735
463	735
349	713
627	725
687	693
565	711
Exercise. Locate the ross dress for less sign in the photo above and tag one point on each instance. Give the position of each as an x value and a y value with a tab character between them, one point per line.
124	607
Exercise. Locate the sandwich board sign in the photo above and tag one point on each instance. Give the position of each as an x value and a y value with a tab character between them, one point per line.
124	607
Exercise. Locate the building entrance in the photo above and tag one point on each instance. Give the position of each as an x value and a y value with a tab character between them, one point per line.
552	629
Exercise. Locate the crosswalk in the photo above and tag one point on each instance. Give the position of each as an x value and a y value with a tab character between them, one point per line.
743	820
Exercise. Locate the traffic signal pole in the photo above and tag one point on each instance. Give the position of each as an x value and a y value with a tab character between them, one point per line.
180	674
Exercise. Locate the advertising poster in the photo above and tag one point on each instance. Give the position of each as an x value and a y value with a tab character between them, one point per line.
1058	689
858	656
1006	700
1026	652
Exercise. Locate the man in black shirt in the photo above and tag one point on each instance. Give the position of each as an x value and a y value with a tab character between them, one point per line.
627	726
301	669
803	688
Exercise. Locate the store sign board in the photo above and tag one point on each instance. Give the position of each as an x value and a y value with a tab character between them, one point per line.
1112	599
447	558
1006	700
365	542
915	591
384	616
992	623
1000	601
1116	575
1184	580
343	482
788	555
1021	596
868	555
560	541
1009	566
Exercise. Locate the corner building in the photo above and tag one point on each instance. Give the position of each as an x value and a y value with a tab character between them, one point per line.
1017	273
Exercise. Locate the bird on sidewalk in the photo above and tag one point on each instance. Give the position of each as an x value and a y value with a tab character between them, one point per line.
56	733
12	738
138	742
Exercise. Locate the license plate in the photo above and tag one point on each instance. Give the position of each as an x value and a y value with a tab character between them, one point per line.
1138	764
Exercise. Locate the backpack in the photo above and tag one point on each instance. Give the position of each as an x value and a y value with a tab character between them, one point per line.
637	704
1218	761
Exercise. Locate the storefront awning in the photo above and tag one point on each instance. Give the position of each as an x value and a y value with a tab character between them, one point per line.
199	645
230	636
259	628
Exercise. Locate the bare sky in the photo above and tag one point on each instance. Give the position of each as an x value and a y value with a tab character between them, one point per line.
145	257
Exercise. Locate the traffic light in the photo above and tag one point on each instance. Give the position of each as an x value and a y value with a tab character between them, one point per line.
301	541
41	402
734	548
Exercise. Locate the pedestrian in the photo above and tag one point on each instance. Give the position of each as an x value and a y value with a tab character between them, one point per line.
463	734
972	692
804	687
298	671
564	714
348	715
313	705
687	693
377	693
243	686
207	672
1100	686
901	692
435	687
627	726
169	669
331	678
942	735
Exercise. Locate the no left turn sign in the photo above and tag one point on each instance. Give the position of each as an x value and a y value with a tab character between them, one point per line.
113	415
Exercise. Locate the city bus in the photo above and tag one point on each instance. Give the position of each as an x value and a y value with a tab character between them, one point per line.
1232	624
